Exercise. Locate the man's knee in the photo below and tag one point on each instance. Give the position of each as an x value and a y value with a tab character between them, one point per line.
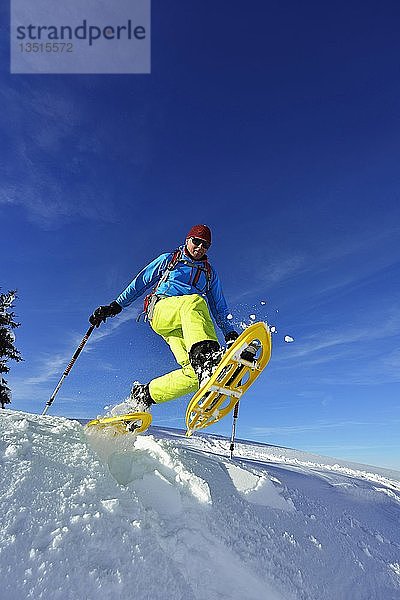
194	302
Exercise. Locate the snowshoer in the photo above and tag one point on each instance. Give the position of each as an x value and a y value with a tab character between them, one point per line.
185	288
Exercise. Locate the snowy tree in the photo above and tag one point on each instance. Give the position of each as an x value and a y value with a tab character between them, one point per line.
8	350
5	393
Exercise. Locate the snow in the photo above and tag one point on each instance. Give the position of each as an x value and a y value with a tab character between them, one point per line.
88	516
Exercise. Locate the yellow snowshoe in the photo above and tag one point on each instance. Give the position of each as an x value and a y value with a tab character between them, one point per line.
239	368
130	423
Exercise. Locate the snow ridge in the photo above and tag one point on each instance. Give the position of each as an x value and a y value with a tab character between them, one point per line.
166	519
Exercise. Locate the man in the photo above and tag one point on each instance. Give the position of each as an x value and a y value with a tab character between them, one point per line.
177	310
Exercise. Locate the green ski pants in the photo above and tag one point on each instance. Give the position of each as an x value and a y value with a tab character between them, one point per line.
181	321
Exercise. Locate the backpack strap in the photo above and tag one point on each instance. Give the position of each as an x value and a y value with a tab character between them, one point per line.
206	267
170	267
208	274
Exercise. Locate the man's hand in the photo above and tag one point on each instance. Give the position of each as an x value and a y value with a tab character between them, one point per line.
230	338
103	312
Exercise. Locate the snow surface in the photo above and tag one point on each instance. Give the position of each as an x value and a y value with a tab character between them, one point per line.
87	516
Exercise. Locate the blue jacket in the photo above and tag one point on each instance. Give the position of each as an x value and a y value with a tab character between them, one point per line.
188	277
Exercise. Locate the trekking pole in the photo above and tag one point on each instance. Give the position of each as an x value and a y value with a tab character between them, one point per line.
235	416
249	355
69	367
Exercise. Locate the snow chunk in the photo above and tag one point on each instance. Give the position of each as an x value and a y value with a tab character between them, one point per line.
257	488
22	425
290	538
172	469
395	568
110	505
315	542
11	451
288	339
388	493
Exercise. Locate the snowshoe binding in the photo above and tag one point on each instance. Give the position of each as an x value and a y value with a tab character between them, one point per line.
139	401
205	357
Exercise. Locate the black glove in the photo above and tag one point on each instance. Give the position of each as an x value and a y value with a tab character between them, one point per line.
230	338
103	312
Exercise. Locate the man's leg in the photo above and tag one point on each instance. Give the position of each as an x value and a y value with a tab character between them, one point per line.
176	383
182	321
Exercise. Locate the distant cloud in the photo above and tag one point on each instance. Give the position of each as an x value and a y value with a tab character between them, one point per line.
341	335
280	269
331	268
47	369
318	426
109	328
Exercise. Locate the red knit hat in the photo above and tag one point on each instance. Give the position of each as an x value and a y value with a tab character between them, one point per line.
200	231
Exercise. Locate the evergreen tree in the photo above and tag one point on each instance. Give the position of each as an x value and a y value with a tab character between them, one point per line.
8	350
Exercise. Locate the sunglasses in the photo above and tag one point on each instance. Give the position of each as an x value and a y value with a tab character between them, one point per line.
199	241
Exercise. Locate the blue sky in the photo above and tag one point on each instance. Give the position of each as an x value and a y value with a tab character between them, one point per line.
277	124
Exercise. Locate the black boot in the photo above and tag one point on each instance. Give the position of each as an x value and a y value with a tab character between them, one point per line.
139	400
204	357
140	397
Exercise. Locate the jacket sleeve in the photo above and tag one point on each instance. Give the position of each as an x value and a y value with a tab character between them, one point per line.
144	280
217	303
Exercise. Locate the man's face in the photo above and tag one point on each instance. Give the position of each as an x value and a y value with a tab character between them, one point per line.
197	247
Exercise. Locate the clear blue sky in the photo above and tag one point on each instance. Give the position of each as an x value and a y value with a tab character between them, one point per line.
277	124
